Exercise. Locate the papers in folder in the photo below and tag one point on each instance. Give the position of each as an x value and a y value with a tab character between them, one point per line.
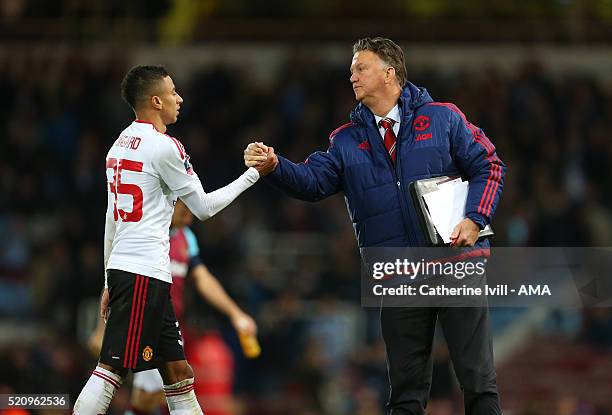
447	206
440	202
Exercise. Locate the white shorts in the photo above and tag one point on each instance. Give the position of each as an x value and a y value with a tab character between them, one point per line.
148	380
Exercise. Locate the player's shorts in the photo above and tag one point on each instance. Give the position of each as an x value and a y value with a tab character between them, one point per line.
141	329
149	381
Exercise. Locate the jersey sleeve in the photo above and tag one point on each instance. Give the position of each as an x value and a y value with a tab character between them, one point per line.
110	227
192	243
172	164
193	248
205	205
109	237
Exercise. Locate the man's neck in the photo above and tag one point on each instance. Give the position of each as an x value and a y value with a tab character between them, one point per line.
383	105
153	118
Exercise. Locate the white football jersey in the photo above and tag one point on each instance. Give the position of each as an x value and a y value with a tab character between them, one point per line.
146	171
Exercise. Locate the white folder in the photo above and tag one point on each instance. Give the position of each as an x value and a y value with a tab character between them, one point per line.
441	204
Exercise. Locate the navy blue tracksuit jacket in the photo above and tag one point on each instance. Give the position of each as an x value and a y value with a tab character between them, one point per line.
434	139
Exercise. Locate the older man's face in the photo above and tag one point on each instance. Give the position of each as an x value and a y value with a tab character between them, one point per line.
367	75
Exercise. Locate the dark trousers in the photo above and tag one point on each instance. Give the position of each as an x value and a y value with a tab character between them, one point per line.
408	335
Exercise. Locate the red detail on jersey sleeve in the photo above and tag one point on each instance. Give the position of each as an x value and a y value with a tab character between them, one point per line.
178	145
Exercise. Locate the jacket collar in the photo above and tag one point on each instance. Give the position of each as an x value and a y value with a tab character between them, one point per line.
411	98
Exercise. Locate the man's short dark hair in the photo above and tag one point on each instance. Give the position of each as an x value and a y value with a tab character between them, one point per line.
139	83
388	51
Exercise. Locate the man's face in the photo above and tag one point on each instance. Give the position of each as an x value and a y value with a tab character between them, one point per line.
367	75
171	101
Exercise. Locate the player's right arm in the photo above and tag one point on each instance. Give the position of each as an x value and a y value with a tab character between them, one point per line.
94	342
175	170
109	236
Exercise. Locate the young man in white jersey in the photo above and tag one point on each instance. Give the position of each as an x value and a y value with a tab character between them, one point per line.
148	387
146	171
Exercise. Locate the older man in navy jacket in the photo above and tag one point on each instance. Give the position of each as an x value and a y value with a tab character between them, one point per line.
397	134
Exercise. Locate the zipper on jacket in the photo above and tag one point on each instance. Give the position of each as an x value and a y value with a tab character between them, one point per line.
403	205
397	174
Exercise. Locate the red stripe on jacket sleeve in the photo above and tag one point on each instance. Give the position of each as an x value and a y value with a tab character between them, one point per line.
495	170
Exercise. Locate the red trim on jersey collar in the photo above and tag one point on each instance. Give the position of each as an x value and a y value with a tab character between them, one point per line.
178	144
144	122
147	122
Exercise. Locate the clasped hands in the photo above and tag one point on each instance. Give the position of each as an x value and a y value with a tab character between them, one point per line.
261	157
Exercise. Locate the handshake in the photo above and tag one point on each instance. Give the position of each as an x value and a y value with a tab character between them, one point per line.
261	157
